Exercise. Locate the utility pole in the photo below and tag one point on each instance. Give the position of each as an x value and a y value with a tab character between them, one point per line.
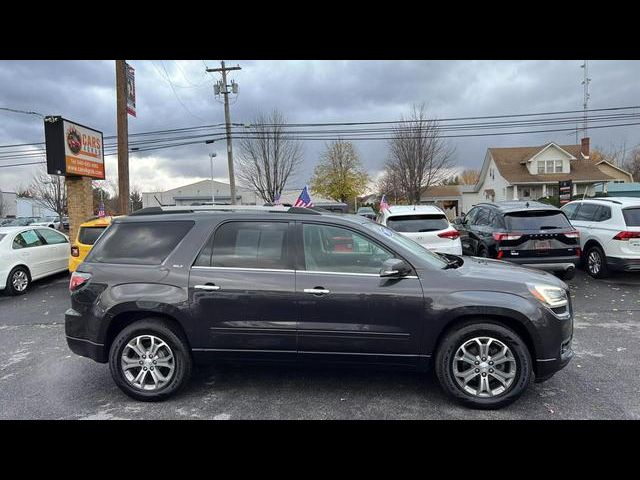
123	137
223	88
587	96
213	185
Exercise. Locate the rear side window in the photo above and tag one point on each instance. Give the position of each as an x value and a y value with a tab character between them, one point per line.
631	217
139	243
536	220
603	213
248	245
51	237
586	212
417	223
89	235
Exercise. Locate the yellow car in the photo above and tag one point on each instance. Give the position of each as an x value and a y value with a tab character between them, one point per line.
87	236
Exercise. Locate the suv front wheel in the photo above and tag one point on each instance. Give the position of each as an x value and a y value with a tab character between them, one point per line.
150	361
483	365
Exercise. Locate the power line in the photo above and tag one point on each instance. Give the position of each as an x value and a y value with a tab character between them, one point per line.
26	112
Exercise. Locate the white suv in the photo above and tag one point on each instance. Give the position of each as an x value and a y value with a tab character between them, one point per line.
609	233
425	224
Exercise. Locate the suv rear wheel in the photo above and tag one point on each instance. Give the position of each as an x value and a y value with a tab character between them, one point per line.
483	365
596	262
150	361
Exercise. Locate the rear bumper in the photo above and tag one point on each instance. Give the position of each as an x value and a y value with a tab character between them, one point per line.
87	348
622	264
81	338
552	264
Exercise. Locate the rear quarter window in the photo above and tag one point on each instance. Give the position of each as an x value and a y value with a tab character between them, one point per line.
631	216
536	220
139	243
418	223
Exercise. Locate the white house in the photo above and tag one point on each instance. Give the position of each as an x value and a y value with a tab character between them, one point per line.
8	204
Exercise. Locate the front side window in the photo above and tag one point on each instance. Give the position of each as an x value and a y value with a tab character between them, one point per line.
27	239
139	243
335	249
570	209
483	217
249	245
51	237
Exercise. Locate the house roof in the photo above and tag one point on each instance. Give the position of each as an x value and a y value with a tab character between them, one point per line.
511	163
441	191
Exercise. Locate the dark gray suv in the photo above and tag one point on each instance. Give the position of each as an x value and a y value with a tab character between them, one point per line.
160	292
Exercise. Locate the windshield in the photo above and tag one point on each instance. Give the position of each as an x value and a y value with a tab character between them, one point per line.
417	223
404	242
536	220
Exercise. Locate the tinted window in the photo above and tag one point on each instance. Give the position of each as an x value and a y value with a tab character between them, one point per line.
586	212
51	237
483	217
249	245
27	239
536	220
140	243
89	235
631	217
471	216
335	249
417	223
603	213
570	209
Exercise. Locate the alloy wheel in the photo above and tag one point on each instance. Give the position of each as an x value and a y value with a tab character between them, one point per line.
20	280
484	367
147	362
594	262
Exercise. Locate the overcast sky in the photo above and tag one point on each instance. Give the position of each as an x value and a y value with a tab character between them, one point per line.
305	91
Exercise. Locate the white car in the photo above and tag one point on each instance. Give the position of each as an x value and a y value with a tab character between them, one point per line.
28	253
51	222
609	233
425	224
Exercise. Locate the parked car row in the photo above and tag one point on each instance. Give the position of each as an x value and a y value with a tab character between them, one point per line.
50	221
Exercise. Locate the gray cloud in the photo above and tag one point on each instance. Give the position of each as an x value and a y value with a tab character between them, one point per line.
305	91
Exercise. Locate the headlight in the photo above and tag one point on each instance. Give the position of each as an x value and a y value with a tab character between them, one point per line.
551	296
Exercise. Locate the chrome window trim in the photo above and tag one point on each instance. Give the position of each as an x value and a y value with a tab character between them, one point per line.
246	269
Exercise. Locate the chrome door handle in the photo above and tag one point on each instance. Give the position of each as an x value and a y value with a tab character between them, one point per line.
316	291
207	287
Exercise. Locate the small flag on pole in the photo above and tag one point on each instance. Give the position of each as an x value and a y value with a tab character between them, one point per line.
304	200
383	203
101	210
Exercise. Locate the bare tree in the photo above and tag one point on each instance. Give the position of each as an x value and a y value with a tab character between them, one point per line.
1	204
389	185
469	177
419	155
632	163
50	191
267	157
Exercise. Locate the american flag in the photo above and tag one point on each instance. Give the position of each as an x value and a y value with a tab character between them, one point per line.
101	210
304	200
383	203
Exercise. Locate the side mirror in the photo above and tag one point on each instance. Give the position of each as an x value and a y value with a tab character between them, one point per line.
458	221
394	267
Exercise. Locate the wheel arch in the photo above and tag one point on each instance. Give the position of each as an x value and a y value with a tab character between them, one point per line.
503	320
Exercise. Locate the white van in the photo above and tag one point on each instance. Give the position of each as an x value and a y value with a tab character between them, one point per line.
425	224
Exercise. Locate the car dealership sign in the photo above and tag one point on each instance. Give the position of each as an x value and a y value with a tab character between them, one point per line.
73	149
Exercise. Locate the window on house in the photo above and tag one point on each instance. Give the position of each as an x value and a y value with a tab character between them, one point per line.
526	192
540	167
558	166
549	166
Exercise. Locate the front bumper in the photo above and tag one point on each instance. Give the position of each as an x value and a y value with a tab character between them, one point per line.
545	368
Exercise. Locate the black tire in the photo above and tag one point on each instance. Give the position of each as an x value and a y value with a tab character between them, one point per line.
483	251
597	268
9	289
163	330
457	337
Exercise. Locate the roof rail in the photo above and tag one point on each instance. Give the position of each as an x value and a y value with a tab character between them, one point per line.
228	208
604	199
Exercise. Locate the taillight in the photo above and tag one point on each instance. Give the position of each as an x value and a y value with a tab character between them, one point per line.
499	236
77	280
572	234
452	234
626	235
500	253
75	251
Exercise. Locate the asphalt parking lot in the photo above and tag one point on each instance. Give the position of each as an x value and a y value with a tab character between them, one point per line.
41	379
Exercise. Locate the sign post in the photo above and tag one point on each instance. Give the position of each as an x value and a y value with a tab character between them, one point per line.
564	191
77	153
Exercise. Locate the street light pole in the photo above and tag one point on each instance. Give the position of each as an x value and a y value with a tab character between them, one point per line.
213	198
